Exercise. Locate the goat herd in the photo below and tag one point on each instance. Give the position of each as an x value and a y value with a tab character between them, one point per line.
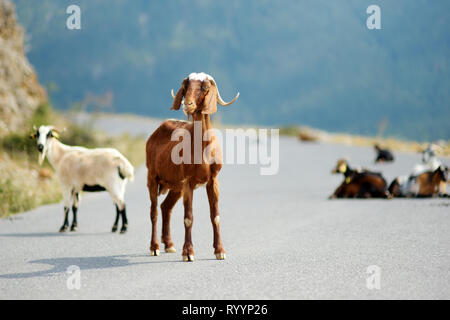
428	179
105	169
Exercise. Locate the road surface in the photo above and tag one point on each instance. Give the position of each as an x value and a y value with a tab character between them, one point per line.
284	239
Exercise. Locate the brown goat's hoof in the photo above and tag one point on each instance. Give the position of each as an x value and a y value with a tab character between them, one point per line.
63	229
154	252
114	229
73	228
188	258
221	256
170	250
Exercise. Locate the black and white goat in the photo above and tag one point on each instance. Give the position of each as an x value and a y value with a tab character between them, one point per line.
426	184
428	178
429	160
81	169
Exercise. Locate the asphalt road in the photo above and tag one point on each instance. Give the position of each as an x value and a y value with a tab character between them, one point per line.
284	239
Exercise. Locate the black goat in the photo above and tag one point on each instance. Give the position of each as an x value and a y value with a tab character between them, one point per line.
383	155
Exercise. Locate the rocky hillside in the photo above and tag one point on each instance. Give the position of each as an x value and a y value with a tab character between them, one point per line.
20	92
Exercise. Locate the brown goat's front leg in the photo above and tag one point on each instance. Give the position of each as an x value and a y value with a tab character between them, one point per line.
153	190
166	210
212	188
188	248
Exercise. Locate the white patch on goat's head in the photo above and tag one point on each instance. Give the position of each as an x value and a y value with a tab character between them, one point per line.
429	154
177	120
44	136
200	76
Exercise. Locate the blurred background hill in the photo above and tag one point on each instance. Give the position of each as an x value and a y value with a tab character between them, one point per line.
310	62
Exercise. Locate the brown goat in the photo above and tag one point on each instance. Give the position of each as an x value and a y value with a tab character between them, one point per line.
359	184
201	96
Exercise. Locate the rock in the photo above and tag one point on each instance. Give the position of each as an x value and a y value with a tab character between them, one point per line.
20	91
45	173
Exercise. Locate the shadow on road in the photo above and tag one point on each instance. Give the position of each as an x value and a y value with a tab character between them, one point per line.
60	265
48	234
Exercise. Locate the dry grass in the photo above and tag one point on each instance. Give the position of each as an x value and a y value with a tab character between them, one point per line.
306	135
390	143
23	185
309	134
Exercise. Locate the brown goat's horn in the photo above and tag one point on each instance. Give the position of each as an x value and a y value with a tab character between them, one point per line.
219	98
171	92
223	103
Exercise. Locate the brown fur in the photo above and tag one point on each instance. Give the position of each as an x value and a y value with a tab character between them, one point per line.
182	179
362	186
427	184
432	183
179	96
359	184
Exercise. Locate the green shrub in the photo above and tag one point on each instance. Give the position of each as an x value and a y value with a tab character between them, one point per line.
15	143
289	131
19	142
76	135
21	189
44	114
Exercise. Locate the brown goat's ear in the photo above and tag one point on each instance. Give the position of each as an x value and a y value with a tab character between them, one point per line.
179	96
210	100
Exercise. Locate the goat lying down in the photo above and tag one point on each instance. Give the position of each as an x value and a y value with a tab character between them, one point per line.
383	155
359	183
426	184
428	178
81	169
